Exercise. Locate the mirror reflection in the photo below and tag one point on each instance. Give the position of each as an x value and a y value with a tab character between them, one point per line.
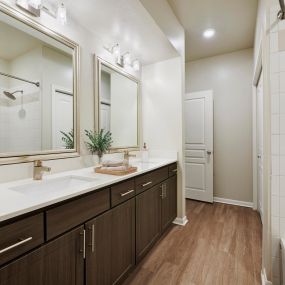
119	107
36	91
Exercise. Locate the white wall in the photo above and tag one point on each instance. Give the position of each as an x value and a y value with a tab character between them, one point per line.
162	120
230	77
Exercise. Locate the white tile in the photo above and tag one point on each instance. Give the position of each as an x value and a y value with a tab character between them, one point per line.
282	82
275	144
275	102
282	124
275	226
275	167
281	103
282	144
274	63
276	266
275	124
275	206
282	165
274	42
282	185
275	246
282	207
274	83
275	184
282	227
282	61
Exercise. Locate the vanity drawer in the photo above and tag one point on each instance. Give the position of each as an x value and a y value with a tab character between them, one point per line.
172	169
148	180
20	237
122	192
72	214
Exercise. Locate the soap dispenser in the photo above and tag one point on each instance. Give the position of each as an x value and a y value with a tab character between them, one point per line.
144	153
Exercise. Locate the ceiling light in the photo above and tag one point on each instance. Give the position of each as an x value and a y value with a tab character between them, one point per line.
136	65
209	33
127	58
61	14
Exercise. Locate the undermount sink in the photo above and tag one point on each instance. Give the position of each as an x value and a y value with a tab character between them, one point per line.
53	186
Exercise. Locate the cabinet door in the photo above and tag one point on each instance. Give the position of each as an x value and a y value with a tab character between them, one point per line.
59	262
148	220
122	240
98	255
169	202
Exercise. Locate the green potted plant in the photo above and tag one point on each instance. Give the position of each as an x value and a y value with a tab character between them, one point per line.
68	139
98	142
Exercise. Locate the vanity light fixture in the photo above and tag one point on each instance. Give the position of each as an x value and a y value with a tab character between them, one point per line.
127	59
209	33
34	7
136	65
61	14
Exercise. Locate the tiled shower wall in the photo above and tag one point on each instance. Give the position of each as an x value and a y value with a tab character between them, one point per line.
277	93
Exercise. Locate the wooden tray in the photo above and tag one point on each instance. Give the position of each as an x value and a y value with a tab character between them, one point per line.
116	172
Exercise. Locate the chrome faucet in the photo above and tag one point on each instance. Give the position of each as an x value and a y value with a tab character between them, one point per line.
39	169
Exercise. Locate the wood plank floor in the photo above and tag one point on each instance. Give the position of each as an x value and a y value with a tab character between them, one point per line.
221	245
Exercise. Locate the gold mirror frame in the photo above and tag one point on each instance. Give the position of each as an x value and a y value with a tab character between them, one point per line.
98	62
12	158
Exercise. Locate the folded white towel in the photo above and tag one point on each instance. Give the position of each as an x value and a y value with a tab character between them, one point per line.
118	162
115	168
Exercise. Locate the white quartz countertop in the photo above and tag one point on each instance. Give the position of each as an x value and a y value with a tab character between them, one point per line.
14	203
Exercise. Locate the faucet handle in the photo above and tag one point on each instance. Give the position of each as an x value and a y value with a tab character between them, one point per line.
38	163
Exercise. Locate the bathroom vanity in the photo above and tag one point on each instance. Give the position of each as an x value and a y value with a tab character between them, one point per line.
95	235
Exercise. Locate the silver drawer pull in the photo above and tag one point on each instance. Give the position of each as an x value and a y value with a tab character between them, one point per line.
93	239
127	193
174	170
16	245
146	184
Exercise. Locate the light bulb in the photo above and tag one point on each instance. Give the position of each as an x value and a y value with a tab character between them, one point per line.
61	14
127	59
35	3
116	51
209	33
136	65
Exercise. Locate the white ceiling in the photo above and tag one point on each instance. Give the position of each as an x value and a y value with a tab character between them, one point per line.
126	22
233	20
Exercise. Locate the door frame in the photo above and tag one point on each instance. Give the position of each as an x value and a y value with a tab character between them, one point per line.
257	73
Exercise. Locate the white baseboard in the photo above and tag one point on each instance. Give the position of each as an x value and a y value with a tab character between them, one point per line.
264	280
181	221
233	202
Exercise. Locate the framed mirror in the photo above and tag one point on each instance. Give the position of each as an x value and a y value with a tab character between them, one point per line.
38	91
117	105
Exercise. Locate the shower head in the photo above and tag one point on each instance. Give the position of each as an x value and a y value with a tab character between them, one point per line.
11	95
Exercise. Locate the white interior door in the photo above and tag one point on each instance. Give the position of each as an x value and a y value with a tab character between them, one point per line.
62	115
259	108
199	146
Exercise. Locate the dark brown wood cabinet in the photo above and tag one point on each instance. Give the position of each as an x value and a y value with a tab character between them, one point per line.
58	262
111	245
122	240
98	251
148	220
95	239
168	202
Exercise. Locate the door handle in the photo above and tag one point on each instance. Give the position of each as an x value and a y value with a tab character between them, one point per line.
92	245
83	250
209	152
21	242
